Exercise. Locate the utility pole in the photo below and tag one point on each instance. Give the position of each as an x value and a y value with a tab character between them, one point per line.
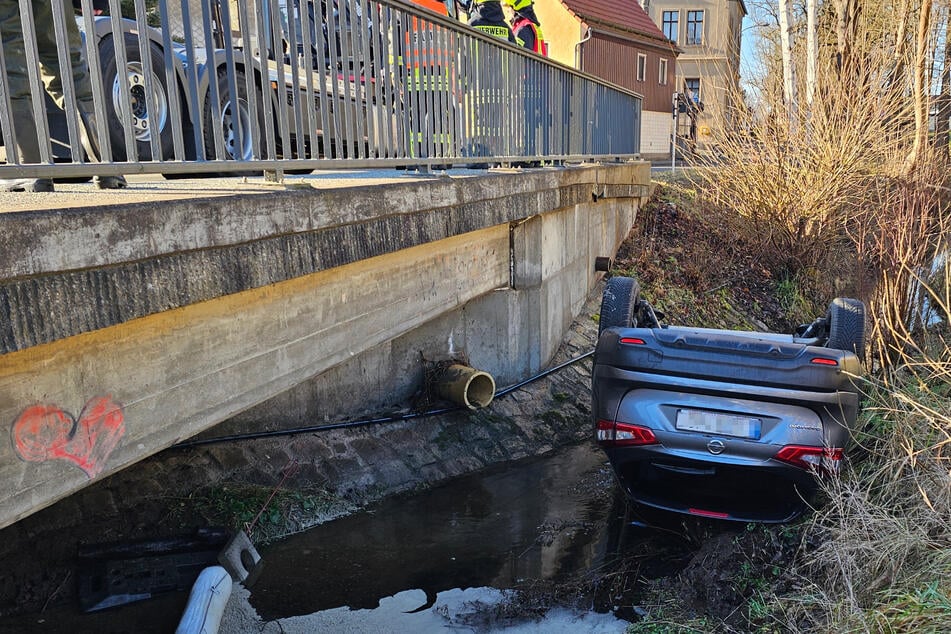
673	136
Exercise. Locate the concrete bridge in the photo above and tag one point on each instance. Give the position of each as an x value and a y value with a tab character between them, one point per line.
126	328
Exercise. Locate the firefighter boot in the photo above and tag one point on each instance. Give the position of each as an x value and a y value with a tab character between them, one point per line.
28	148
88	115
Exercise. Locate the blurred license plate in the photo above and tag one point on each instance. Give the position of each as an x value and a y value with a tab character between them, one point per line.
716	423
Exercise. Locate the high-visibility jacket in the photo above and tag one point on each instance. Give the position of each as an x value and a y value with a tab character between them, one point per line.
489	18
530	36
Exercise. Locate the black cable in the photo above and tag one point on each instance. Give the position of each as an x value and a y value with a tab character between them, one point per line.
373	421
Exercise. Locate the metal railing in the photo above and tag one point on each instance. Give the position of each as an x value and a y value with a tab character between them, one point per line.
243	86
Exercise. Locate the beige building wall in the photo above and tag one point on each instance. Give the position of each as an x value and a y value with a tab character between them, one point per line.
561	29
715	61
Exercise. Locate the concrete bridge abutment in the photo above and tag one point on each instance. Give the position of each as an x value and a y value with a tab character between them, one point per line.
128	329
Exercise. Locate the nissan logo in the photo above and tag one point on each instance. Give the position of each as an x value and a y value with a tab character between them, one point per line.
716	447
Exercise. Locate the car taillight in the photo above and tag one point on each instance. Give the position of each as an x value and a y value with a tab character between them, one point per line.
615	434
822	459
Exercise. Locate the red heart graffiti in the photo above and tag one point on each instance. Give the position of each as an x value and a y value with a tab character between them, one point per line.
45	432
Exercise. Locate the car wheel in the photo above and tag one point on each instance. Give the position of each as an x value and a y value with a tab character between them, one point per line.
146	117
618	303
846	322
233	113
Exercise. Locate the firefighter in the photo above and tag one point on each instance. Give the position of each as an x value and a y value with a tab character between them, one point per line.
526	27
488	17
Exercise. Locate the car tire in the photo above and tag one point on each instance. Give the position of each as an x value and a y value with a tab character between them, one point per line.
618	303
846	322
226	123
144	121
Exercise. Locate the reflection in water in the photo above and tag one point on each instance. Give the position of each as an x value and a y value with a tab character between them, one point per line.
536	519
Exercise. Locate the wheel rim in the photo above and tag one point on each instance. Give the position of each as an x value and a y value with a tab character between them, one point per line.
244	151
142	117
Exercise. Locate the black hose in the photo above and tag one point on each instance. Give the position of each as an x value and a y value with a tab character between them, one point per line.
373	421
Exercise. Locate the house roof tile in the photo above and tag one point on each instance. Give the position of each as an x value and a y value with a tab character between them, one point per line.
622	15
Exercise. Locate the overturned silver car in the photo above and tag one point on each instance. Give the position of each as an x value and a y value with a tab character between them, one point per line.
718	423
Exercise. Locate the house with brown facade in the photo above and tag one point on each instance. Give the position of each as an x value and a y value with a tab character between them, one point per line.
708	32
617	41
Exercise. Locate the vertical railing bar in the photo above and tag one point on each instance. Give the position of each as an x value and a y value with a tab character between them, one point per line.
151	96
294	17
345	22
325	79
457	76
358	76
427	109
411	62
63	55
277	37
6	123
465	89
380	79
334	74
486	97
498	147
499	110
533	110
392	88
191	78
265	52
307	67
172	88
250	83
214	91
442	85
368	73
122	77
442	102
360	91
435	90
404	73
475	92
37	90
231	70
451	55
518	91
519	120
557	110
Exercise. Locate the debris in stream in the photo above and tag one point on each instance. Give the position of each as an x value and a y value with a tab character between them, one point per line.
117	573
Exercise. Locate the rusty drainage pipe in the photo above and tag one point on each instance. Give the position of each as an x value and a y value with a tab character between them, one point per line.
465	386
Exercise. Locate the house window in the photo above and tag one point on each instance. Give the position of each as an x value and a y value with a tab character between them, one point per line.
641	67
671	24
694	27
692	88
662	73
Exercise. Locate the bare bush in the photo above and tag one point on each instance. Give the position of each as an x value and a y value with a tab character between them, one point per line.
846	192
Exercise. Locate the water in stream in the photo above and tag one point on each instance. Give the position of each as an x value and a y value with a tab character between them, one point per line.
537	519
540	518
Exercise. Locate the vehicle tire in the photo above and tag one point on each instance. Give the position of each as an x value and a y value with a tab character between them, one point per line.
846	319
228	124
618	303
144	121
